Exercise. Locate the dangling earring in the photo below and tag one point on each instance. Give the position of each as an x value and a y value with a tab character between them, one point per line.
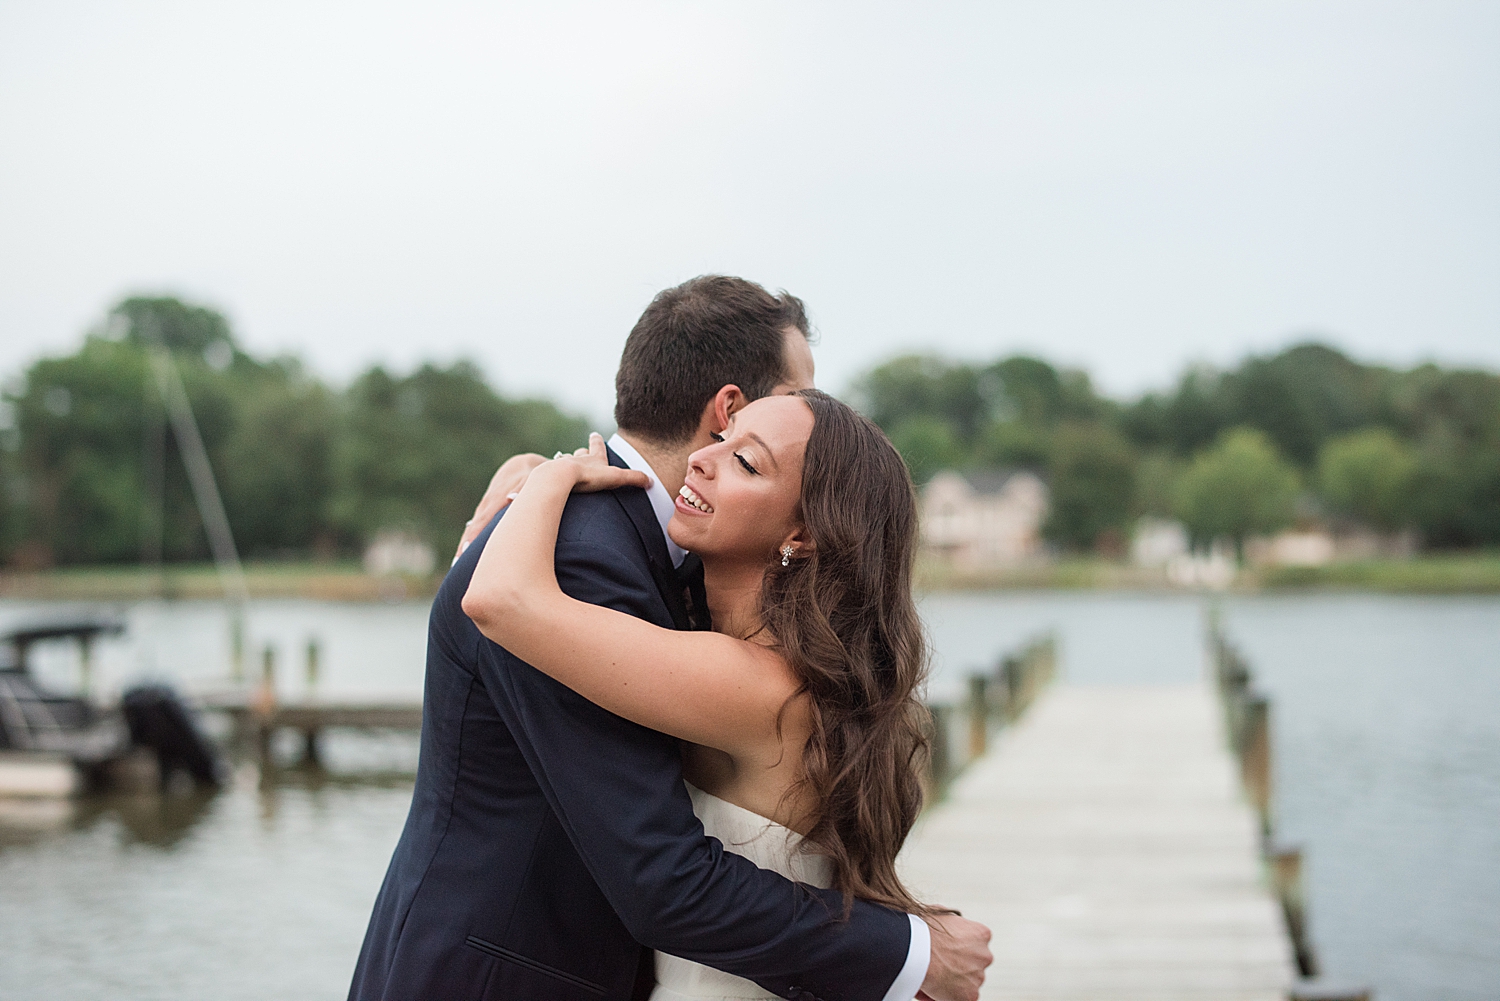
786	555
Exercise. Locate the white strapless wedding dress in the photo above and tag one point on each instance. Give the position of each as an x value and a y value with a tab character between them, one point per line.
768	845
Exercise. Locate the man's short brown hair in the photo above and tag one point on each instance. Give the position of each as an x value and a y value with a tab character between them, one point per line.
694	339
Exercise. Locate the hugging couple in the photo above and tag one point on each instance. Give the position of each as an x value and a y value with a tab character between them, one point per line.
670	730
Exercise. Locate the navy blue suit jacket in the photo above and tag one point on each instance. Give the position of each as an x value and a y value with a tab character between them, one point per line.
549	841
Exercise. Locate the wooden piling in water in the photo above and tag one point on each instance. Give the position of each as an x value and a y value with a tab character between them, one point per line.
314	658
1255	758
1247	719
1286	879
979	715
265	705
992	699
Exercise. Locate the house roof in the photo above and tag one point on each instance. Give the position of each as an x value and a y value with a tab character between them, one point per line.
987	482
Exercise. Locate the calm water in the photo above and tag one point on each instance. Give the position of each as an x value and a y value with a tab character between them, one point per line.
1387	734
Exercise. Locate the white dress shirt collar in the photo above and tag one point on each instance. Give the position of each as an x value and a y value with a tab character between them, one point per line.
661	501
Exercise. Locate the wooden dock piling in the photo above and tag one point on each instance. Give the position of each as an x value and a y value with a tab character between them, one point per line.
992	700
979	715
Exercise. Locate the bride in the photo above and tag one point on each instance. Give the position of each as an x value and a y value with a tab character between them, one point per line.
798	713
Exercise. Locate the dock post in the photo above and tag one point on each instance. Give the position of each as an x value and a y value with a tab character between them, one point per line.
1009	673
312	753
979	715
313	658
939	754
236	646
85	663
1286	877
265	705
1255	757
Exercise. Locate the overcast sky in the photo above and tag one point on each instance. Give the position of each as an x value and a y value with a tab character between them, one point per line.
1124	186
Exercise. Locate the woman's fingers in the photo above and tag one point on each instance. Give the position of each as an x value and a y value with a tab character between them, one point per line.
610	478
598	474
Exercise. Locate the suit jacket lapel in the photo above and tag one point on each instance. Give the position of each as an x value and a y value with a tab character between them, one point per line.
643	516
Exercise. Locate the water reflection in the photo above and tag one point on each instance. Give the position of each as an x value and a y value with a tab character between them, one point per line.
160	821
164	819
156	820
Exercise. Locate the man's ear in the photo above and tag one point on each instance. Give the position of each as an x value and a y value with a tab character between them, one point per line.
726	401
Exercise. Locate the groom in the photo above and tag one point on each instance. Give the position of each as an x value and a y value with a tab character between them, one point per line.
551	845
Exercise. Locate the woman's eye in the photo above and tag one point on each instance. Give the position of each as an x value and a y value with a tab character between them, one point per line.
748	468
716	436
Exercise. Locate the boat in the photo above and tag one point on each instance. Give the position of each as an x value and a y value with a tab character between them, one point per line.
56	745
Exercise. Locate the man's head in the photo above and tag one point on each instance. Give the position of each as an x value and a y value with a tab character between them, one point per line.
697	340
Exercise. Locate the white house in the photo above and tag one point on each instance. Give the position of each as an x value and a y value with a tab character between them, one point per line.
984	519
1164	545
1306	548
397	552
1158	542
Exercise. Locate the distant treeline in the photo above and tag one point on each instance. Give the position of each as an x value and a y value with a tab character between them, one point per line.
91	474
1304	435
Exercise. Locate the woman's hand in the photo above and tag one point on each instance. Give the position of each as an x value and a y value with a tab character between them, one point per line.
504	485
593	472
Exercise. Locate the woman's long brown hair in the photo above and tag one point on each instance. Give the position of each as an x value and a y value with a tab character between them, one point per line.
844	618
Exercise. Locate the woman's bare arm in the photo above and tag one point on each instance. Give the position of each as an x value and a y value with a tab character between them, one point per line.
703	687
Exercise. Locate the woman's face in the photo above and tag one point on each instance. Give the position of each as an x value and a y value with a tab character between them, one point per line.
741	495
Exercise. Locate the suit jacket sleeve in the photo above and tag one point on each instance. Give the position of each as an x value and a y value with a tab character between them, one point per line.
617	789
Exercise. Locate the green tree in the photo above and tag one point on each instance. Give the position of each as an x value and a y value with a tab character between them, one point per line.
1239	487
1185	421
417	452
182	328
1027	389
1299	397
1369	475
1458	410
1015	443
99	466
1302	397
277	472
922	386
928	445
1156	478
12	500
1456	492
961	415
1092	481
80	423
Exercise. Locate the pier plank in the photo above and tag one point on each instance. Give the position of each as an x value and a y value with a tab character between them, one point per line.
1106	842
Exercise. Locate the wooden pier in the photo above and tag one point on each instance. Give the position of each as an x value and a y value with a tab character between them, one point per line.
255	717
1106	840
312	716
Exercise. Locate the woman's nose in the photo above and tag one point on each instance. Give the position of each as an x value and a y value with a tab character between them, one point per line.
696	463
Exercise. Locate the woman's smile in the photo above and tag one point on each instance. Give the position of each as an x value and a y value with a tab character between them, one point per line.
688	500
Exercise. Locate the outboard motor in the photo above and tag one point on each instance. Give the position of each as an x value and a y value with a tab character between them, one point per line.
159	719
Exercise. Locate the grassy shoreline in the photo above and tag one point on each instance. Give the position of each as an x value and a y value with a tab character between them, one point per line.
320	581
1441	573
1445	573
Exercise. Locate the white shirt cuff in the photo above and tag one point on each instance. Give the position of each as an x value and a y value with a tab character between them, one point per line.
909	980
